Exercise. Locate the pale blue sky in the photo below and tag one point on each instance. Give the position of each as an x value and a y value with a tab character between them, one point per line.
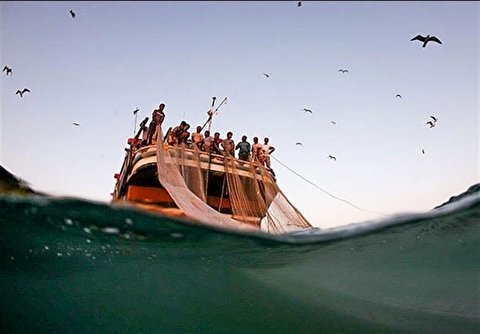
116	56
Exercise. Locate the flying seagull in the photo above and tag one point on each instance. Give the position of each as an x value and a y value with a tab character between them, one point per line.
267	75
299	4
426	39
298	143
333	122
343	71
332	157
307	110
135	111
434	119
76	124
72	13
398	95
21	92
7	69
432	124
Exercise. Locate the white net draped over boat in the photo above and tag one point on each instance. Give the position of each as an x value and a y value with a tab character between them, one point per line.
193	206
260	195
254	196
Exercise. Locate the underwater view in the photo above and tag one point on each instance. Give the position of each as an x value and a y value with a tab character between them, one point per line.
73	266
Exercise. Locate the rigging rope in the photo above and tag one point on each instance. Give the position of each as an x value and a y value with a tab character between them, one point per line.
324	191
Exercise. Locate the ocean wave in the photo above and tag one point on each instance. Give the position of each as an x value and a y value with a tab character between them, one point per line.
70	265
132	223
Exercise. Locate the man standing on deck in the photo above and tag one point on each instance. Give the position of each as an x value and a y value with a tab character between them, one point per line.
256	147
207	142
265	152
244	149
197	137
228	144
217	141
157	119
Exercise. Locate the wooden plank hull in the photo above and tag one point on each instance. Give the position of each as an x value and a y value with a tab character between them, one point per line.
138	184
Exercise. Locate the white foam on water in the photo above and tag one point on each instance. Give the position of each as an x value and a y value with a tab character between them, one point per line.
110	230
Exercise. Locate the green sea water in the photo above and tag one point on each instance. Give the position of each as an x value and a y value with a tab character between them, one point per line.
73	266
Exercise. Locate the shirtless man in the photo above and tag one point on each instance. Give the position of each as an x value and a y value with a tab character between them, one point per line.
197	137
256	147
217	141
228	144
180	132
171	139
207	143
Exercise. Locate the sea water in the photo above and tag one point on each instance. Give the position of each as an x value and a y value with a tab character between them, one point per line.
74	266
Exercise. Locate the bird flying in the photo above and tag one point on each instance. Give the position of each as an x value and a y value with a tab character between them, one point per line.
333	122
398	95
332	157
7	69
21	92
433	122
343	71
307	110
426	39
423	151
299	4
298	143
76	124
72	13
267	75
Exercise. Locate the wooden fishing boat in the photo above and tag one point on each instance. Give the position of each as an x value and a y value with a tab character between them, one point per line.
138	183
213	189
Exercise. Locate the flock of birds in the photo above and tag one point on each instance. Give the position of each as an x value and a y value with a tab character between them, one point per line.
431	123
8	71
424	39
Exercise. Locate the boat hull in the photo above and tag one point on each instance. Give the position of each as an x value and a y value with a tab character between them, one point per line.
138	183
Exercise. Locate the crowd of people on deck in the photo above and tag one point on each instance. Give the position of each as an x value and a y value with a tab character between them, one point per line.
205	142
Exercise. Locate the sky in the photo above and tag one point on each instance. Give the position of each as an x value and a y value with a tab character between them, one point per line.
114	57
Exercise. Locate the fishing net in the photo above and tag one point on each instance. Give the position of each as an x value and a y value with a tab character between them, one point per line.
255	200
188	163
259	196
193	206
244	193
282	216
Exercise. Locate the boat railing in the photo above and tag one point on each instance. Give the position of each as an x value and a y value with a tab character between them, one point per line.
150	150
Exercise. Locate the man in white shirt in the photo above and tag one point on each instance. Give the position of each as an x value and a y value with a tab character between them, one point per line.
266	150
